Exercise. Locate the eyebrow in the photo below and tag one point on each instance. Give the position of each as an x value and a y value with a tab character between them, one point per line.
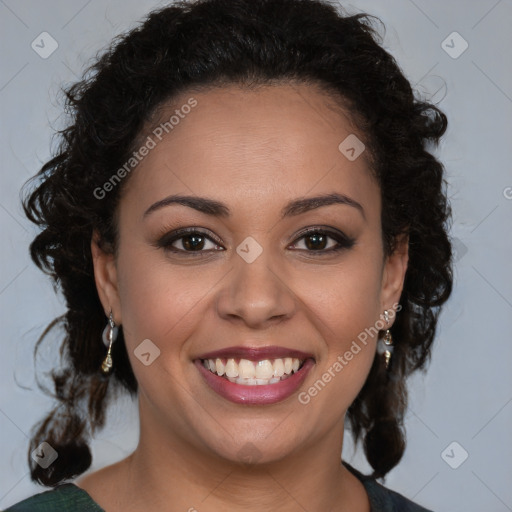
218	209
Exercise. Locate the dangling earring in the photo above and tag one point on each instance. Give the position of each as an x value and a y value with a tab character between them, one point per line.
388	341
109	336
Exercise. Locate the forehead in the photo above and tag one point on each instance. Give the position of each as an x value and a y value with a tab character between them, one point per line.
265	143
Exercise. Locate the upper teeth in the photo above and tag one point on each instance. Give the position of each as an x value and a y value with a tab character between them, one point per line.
246	369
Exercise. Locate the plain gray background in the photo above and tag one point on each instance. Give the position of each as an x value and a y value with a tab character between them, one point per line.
465	397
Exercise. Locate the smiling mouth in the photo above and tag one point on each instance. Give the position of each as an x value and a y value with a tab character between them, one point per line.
254	373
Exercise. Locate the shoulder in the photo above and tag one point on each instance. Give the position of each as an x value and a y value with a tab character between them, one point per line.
386	500
383	499
65	497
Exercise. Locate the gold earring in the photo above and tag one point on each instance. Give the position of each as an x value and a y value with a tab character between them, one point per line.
388	341
109	336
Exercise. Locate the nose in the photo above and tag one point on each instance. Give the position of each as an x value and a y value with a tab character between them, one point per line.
256	294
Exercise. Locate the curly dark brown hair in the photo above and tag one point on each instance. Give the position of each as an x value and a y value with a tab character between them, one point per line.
208	43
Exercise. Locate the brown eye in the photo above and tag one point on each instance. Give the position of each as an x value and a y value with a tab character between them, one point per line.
323	242
316	241
188	241
192	242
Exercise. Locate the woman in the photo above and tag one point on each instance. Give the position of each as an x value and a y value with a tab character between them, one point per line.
250	235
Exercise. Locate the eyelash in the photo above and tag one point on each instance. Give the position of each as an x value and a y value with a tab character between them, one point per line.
165	242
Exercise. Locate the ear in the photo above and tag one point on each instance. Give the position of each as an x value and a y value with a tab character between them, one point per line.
393	274
105	276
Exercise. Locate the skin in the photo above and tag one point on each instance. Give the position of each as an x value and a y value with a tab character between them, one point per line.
254	150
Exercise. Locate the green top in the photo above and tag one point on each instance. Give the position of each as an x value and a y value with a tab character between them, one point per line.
71	498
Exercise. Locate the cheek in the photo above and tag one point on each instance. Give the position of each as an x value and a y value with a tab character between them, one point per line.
344	298
165	304
160	301
344	304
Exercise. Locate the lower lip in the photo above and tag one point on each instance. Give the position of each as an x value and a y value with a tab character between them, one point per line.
255	395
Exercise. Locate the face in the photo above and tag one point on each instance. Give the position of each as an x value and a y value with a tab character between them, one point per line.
246	280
